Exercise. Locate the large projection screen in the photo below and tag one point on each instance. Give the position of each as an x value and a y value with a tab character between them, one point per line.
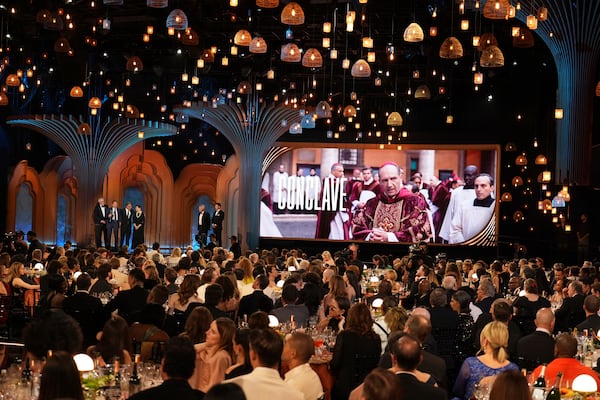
304	194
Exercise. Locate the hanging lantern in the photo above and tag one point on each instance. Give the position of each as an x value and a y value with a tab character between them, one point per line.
413	33
292	14
157	3
43	16
558	113
532	22
361	69
308	122
541	160
267	3
208	56
84	129
323	109
132	111
492	57
451	48
433	31
524	39
13	80
395	119
542	14
242	38
517	181
190	37
134	64
290	53
95	103
312	58
496	9
177	20
486	40
506	197
478	78
423	93
76	92
244	87
518	216
521	160
62	45
258	45
3	99
510	147
349	111
367	42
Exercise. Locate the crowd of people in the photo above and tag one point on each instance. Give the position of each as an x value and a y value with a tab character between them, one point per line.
222	323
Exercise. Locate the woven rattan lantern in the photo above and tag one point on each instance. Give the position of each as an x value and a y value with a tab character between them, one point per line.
521	160
524	39
451	48
84	129
258	45
542	14
312	58
395	119
541	160
349	111
487	39
76	92
208	56
134	64
62	45
506	197
267	3
244	87
492	57
157	3
323	109
13	80
190	37
361	69
132	111
43	16
95	103
292	14
423	93
496	9
3	99
177	20
290	53
413	33
242	38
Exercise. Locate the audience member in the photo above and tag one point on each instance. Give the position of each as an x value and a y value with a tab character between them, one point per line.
297	350
510	385
538	347
591	306
60	378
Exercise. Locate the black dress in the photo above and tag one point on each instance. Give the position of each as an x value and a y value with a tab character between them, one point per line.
525	312
138	234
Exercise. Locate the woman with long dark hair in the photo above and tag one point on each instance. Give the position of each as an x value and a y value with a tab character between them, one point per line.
114	343
241	350
60	378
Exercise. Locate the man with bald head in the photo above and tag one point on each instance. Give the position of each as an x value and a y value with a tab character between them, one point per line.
565	351
395	214
538	347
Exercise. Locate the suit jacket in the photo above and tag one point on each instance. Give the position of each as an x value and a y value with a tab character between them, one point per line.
98	216
570	313
412	388
255	301
535	349
128	302
126	222
87	310
204	224
170	389
218	218
591	323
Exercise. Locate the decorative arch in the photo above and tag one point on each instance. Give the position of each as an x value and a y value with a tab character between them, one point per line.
23	173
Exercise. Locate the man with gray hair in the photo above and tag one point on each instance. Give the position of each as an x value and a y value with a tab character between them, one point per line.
538	347
486	293
571	311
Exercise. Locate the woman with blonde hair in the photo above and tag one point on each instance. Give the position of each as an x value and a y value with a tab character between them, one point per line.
481	369
246	265
328	261
174	258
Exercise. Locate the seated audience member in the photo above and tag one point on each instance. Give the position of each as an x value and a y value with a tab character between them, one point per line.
299	312
170	278
258	320
241	350
229	391
196	325
186	295
570	313
264	382
114	343
102	287
336	314
444	324
494	360
257	300
500	311
176	367
527	306
57	290
60	378
486	293
213	297
591	305
538	347
297	350
86	309
60	333
129	302
510	385
565	351
381	384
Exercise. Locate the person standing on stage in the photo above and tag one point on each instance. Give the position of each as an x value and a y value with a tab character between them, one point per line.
100	216
217	222
203	225
126	224
113	224
139	221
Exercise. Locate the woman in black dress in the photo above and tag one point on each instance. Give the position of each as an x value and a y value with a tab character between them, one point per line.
139	220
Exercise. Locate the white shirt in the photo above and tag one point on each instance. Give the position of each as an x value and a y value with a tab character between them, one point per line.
306	380
265	383
468	221
457	198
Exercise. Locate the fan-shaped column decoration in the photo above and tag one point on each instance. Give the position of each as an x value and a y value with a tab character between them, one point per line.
252	129
572	35
92	149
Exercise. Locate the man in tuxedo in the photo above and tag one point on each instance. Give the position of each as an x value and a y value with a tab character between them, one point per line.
217	222
406	357
257	300
132	301
538	347
113	224
591	305
100	217
203	225
86	309
571	313
126	224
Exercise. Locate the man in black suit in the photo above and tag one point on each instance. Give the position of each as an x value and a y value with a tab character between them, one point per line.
113	224
86	309
126	216
406	357
217	222
203	225
591	305
132	301
538	347
177	366
444	324
235	248
570	313
420	328
257	300
486	293
100	217
500	311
